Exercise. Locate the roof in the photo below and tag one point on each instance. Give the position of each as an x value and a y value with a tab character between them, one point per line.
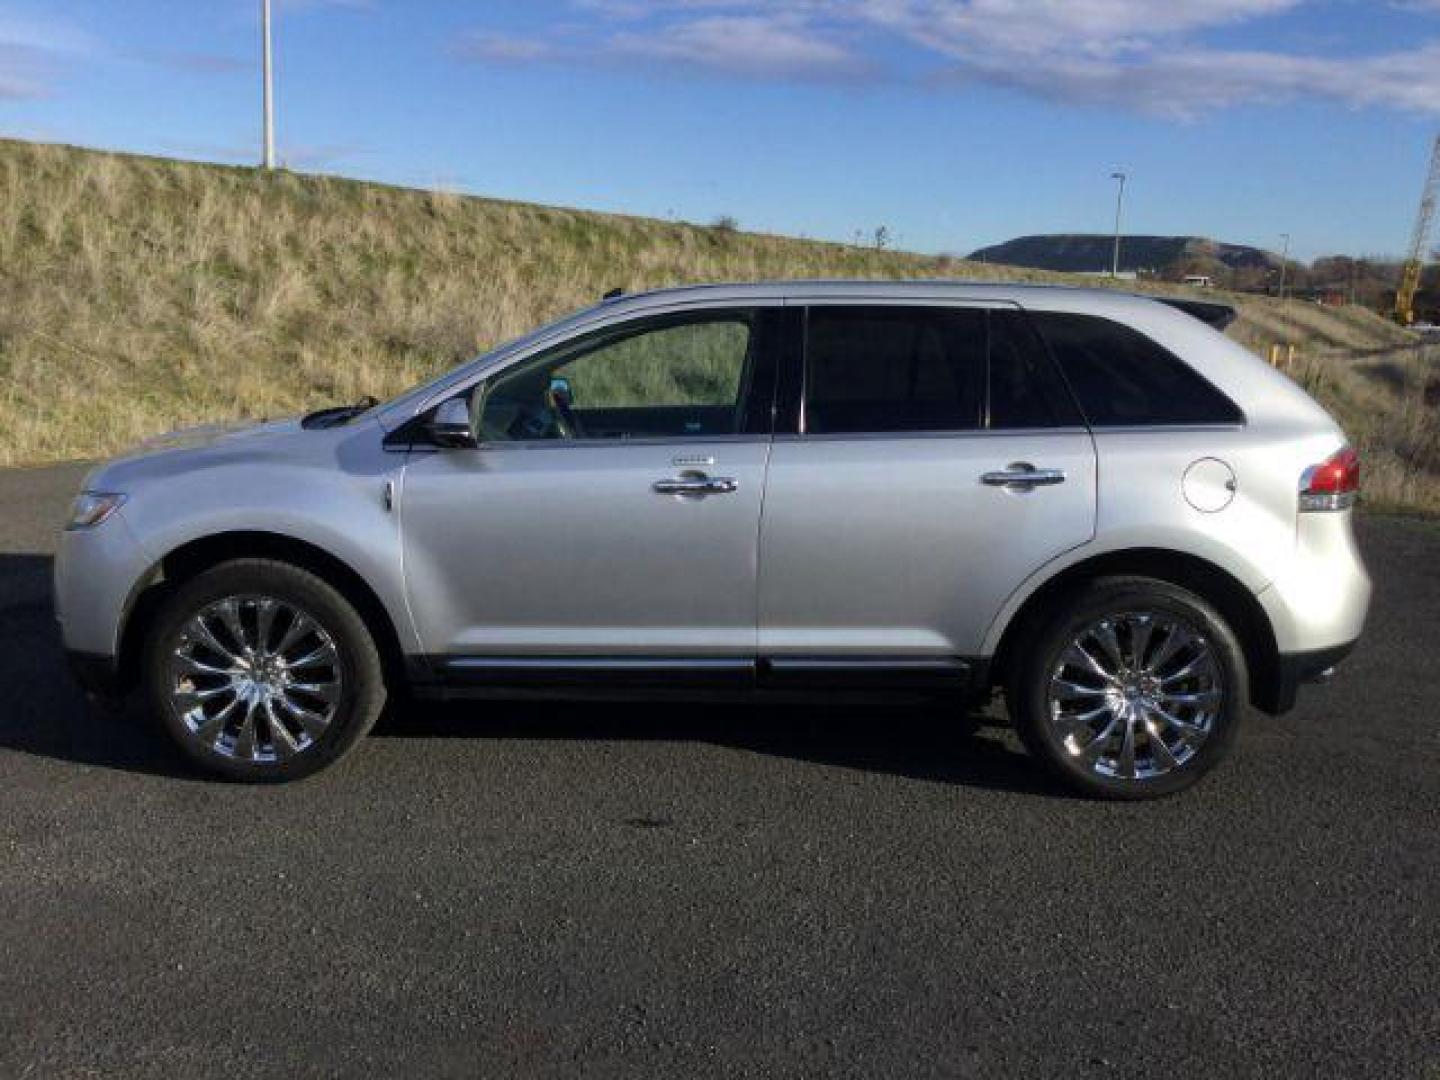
1063	297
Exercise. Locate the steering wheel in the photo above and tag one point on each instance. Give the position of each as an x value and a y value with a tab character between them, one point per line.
567	424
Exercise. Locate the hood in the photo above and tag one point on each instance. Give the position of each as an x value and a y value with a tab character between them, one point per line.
181	450
202	435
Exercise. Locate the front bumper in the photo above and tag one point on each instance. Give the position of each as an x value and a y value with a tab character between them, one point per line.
97	574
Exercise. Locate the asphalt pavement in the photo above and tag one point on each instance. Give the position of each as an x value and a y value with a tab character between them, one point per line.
678	891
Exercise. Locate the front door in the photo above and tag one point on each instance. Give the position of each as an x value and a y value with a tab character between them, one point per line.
613	506
904	512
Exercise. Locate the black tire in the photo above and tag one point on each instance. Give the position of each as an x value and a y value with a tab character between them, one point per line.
356	704
1028	686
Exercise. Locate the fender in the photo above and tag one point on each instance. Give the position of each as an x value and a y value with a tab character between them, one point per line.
331	493
1114	549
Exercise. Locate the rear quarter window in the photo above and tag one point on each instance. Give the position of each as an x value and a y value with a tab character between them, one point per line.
1124	379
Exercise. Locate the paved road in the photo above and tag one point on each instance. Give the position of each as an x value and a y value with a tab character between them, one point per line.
523	890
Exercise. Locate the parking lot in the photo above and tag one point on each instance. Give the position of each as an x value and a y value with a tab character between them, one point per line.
528	889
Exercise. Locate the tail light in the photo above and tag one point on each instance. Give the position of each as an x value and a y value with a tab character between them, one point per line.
1334	484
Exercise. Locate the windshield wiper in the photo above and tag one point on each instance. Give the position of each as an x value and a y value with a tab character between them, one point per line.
338	414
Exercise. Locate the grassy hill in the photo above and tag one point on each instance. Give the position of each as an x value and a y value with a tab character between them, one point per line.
141	294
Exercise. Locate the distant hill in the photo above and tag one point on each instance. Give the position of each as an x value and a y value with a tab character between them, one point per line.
1082	252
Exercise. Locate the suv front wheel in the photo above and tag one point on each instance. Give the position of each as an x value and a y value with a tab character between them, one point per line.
262	671
1132	691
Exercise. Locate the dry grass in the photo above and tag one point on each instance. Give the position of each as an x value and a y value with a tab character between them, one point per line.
1389	404
1266	322
138	294
142	294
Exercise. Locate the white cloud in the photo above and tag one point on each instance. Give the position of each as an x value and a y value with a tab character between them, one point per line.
1127	53
1187	83
1043	27
743	43
1145	55
505	48
33	52
301	5
24	73
43	34
752	45
193	63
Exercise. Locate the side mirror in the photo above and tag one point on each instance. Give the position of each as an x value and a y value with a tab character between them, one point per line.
450	427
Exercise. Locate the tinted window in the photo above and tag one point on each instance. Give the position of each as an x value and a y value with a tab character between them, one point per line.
875	369
660	380
1123	378
1025	390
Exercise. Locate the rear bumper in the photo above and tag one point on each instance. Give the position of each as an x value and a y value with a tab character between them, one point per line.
1299	668
1320	598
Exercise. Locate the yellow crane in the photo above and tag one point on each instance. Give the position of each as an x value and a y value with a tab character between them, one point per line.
1410	275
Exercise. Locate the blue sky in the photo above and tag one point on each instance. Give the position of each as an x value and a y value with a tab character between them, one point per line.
955	123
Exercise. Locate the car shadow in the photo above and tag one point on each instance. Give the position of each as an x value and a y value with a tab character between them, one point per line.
46	715
912	741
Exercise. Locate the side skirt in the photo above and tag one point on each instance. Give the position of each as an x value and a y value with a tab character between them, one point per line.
797	677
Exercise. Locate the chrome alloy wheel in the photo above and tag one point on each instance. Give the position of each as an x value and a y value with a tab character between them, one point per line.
1134	696
255	679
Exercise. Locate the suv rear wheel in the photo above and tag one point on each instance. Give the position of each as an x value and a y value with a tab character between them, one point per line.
1132	691
262	671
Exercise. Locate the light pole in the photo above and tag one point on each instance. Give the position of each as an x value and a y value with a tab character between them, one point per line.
1119	207
268	93
1284	263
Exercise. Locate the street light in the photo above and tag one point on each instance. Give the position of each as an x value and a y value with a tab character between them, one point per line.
1119	205
1284	263
267	93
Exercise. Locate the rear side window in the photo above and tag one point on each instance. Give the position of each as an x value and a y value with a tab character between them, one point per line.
878	369
1123	379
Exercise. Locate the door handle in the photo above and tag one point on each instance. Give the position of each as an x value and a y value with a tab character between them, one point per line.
696	485
1022	476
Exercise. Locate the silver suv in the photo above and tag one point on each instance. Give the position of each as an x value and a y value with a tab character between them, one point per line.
1095	502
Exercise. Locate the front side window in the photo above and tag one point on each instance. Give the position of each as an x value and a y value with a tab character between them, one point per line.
665	379
887	369
1124	379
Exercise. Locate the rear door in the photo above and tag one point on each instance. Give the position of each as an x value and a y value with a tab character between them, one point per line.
935	463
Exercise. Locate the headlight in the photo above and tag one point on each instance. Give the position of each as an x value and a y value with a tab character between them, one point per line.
93	507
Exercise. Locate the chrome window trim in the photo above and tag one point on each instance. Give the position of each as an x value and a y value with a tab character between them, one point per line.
1141	429
894	436
517	445
864	300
